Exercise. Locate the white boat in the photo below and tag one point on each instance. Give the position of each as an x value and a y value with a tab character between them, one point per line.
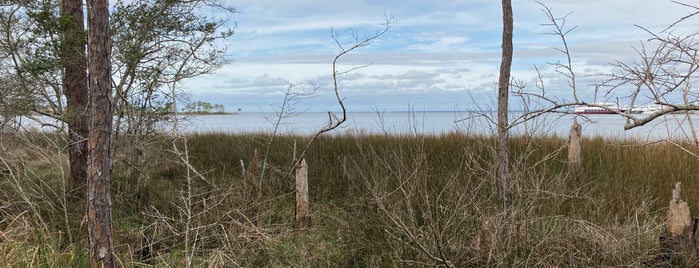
650	108
598	108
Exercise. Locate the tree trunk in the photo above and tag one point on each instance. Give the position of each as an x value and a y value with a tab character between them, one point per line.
575	149
678	243
75	90
99	204
503	148
303	211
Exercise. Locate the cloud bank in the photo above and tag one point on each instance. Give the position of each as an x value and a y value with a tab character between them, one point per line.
439	55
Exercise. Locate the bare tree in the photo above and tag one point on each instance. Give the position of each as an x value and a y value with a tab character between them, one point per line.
99	203
538	102
294	93
358	41
663	75
503	149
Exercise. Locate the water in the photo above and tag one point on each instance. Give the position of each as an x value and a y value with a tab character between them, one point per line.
673	126
309	123
611	126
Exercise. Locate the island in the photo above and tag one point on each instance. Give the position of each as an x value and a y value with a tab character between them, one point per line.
203	108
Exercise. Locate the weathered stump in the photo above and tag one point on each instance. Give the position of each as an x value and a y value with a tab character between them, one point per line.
575	149
303	212
678	243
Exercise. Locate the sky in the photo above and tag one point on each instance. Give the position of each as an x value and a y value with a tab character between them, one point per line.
437	55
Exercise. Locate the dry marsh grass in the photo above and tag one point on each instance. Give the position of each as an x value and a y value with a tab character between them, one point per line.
376	201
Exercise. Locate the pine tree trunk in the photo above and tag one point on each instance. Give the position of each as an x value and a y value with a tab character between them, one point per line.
75	90
99	204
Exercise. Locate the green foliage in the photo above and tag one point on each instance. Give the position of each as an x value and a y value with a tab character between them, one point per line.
30	60
156	45
202	107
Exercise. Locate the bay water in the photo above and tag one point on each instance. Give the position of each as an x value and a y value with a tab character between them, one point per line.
674	126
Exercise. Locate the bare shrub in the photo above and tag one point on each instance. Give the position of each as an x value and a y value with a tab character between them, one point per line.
454	221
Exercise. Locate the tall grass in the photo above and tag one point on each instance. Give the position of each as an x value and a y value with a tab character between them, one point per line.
376	200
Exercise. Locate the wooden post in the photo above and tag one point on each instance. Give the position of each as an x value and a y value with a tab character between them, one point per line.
575	149
303	212
678	243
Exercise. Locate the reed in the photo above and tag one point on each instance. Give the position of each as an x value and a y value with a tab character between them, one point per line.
376	200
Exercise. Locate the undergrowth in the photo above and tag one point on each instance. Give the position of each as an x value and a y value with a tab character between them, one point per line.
376	201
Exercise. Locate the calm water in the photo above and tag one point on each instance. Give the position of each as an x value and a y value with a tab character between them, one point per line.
674	126
610	126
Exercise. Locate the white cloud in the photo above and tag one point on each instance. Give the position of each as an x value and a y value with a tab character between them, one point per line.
437	50
440	43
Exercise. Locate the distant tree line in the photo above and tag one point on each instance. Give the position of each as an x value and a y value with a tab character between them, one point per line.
202	107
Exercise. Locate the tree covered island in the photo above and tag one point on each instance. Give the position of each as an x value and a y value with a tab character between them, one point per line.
202	107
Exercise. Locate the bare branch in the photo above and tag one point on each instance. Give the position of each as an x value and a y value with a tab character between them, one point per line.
334	121
560	31
683	18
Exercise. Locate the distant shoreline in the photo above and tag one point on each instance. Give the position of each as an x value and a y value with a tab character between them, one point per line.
355	112
201	113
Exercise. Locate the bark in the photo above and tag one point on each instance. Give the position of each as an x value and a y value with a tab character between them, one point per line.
678	242
303	212
575	149
75	90
99	204
503	147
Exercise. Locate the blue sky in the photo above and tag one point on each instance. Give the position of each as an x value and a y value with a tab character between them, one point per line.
438	56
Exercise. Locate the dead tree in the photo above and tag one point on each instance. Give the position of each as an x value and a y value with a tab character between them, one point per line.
678	243
575	148
303	210
503	149
335	120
